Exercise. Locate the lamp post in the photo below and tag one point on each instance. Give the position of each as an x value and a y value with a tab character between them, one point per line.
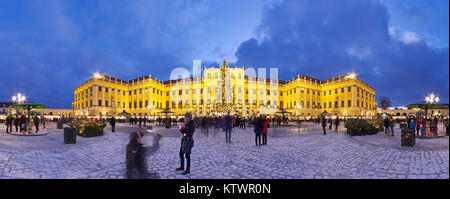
151	107
18	99
298	107
429	101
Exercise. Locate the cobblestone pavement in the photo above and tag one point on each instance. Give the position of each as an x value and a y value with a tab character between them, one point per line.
290	153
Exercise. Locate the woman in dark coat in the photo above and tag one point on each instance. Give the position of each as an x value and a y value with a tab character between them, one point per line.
324	125
258	130
187	142
135	157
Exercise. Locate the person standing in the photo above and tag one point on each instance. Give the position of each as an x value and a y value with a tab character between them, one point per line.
412	124
423	127
446	126
336	123
112	121
435	126
265	130
386	125
16	123
140	122
408	122
36	123
258	130
324	125
8	124
419	121
187	142
227	126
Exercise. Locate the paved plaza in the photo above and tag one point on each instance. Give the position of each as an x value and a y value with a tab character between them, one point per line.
290	154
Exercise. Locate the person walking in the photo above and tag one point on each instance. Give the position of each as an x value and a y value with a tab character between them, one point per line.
336	123
265	130
134	163
324	125
258	130
228	126
330	122
391	125
140	122
43	122
187	142
112	121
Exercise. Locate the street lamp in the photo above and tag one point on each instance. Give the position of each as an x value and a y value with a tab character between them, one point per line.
19	98
298	107
429	100
151	107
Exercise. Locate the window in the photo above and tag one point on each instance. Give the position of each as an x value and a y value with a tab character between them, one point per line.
99	88
342	90
335	91
349	89
180	92
329	105
324	93
349	103
335	104
99	102
135	105
106	102
324	105
129	105
268	92
153	90
187	92
307	91
307	104
146	103
129	92
342	103
140	91
135	92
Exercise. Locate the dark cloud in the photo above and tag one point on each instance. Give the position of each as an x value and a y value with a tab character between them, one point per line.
325	38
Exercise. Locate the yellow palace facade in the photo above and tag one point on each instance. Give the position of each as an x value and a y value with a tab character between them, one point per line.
303	96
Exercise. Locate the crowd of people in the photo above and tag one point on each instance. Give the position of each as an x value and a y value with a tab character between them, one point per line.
22	124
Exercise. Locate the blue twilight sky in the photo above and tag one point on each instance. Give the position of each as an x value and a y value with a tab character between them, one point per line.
49	47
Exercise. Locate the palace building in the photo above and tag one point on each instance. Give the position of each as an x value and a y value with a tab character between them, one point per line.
223	89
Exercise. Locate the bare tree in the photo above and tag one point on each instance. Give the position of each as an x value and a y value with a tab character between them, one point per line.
385	102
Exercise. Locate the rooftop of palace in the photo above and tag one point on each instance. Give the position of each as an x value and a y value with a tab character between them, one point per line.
303	78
